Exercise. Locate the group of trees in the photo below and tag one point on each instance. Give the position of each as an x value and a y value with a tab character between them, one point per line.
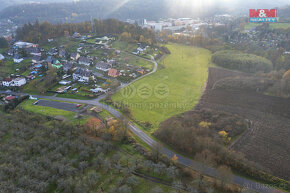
241	61
195	133
41	155
38	155
40	32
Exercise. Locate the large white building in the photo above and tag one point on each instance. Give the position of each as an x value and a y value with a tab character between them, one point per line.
17	82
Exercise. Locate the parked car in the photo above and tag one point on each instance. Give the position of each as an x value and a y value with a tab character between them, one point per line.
79	105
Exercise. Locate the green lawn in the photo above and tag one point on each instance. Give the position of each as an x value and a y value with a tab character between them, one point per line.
124	46
9	67
126	58
175	88
272	25
69	44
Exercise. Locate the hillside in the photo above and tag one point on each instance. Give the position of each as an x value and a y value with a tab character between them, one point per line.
84	10
7	3
38	155
176	87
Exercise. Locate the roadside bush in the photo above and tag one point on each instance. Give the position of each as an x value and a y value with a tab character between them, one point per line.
240	61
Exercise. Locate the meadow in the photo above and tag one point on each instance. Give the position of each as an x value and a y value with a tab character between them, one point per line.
175	88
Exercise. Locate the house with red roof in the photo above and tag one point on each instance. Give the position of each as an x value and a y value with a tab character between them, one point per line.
113	73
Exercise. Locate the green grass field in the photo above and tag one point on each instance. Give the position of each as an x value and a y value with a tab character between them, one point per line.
51	112
124	46
174	89
9	67
272	25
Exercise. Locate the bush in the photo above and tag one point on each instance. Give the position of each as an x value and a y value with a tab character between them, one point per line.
240	61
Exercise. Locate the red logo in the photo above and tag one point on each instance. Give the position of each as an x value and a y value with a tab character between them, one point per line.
263	13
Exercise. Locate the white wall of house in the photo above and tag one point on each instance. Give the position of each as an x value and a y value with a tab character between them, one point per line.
15	82
18	82
6	83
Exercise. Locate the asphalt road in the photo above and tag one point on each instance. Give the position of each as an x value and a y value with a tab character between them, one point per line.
243	182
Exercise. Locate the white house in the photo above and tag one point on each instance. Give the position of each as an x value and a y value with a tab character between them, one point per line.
6	82
82	75
17	82
17	58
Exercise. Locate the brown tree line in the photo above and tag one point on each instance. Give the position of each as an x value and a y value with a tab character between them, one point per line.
40	32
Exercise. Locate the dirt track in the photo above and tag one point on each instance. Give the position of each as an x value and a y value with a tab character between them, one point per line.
267	141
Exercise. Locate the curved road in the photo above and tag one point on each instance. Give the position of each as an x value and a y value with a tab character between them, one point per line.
243	182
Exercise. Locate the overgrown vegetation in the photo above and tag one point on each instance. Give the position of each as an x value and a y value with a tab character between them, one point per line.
240	61
196	133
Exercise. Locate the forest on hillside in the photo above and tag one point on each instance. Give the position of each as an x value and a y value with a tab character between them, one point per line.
40	32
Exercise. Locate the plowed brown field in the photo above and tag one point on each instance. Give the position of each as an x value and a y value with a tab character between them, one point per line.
267	141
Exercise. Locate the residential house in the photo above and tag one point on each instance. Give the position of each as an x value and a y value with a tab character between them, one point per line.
136	52
17	58
84	61
17	82
35	51
56	64
20	81
141	70
67	66
49	60
52	51
113	73
36	59
76	35
10	98
141	50
75	56
62	53
11	52
6	81
2	57
82	75
103	66
53	62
